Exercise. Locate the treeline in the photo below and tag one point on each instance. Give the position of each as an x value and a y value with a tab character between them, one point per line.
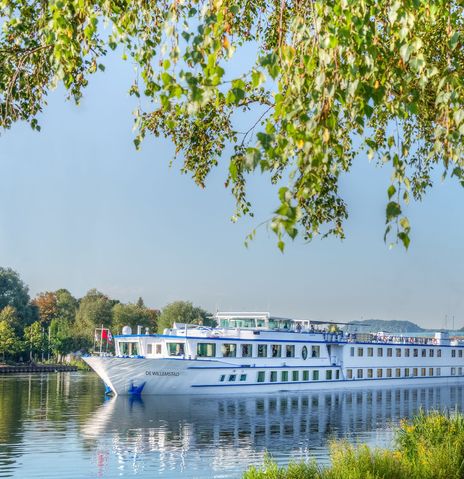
55	323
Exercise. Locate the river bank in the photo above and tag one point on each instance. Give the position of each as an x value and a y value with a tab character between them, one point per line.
37	368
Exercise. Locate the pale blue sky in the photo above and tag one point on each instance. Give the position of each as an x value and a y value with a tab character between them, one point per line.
80	208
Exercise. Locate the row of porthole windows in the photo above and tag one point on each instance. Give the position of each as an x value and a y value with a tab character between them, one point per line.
232	377
350	374
398	352
285	376
230	350
392	372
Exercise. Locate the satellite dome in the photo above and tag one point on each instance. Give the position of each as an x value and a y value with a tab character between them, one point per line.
126	330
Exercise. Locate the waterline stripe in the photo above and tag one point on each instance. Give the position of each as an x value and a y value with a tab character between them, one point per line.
322	381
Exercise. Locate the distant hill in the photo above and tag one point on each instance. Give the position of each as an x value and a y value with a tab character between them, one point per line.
376	325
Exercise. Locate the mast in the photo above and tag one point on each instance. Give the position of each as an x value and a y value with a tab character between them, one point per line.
101	339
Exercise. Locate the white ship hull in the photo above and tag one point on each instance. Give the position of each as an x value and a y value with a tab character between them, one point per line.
188	377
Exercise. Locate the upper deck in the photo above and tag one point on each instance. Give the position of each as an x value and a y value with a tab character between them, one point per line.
260	335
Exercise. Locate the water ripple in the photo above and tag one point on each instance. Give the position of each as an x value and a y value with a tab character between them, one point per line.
60	425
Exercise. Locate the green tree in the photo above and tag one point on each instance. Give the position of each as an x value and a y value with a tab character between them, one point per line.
132	315
9	342
14	293
9	315
62	339
383	79
35	340
183	312
57	312
66	304
95	310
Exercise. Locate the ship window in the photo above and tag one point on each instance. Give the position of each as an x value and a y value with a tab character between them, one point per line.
416	353
379	373
379	352
273	376
284	376
370	373
315	351
349	374
389	352
316	375
398	352
460	353
360	351
438	371
149	348
370	352
175	349
247	350
232	377
423	372
229	350
223	376
261	376
306	375
453	371
389	373
438	353
431	353
276	350
430	371
337	374
360	373
424	352
407	352
290	351
129	349
243	377
406	372
304	352
460	371
453	353
328	374
414	372
351	351
262	350
206	350
295	376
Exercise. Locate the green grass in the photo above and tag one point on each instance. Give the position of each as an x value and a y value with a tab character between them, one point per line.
80	364
431	446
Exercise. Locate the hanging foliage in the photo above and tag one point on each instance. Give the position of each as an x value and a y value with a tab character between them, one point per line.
331	81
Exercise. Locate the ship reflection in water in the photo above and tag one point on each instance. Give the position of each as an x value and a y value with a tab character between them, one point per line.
220	437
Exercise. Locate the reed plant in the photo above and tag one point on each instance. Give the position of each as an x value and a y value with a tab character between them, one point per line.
430	446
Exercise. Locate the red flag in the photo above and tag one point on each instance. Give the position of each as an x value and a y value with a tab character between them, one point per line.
104	334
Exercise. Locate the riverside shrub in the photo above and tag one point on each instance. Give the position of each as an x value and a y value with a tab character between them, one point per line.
429	446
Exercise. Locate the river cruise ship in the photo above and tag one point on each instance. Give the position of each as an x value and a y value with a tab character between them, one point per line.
258	353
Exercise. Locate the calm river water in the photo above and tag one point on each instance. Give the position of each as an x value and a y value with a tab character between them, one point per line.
61	426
